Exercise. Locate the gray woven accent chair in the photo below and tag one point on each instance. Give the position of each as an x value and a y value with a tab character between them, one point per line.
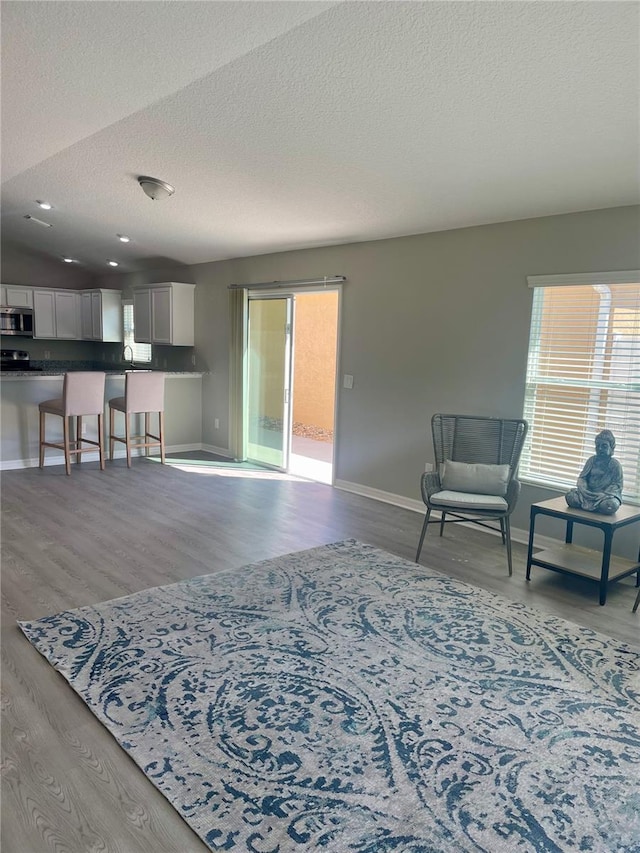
476	463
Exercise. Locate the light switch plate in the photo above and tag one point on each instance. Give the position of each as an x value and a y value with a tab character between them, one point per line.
348	380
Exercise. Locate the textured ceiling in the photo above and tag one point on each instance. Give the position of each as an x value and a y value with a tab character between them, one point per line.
284	125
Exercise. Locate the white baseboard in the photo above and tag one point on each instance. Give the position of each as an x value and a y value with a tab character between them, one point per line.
517	533
219	451
379	495
53	458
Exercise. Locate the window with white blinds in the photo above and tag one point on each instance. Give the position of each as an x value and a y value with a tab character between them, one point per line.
583	375
141	352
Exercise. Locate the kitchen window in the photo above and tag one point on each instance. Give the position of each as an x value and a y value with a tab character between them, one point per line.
141	352
583	375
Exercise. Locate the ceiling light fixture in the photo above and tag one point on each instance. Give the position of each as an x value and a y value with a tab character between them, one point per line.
154	188
44	204
112	263
38	221
123	238
69	260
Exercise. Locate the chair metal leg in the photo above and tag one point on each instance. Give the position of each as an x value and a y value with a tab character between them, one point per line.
635	606
146	432
442	518
422	535
508	537
502	531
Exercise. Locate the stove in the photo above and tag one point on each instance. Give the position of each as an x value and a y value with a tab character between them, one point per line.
16	360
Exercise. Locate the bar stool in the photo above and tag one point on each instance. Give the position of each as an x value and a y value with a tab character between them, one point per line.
82	395
143	394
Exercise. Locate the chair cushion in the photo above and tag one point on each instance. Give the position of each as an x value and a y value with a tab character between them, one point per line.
468	501
54	407
475	478
118	403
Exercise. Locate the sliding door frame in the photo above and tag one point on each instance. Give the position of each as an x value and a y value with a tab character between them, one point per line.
239	357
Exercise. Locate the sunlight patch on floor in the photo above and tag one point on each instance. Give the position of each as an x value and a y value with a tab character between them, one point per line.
311	469
212	471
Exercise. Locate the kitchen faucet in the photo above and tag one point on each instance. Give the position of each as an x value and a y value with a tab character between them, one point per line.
124	354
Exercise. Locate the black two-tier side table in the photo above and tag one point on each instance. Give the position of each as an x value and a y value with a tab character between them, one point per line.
570	559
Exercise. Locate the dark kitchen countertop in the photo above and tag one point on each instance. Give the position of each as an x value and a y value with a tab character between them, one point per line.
39	368
58	372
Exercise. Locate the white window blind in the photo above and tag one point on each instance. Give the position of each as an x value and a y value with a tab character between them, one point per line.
583	375
141	352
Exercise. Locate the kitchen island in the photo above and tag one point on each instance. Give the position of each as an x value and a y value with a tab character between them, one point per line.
22	391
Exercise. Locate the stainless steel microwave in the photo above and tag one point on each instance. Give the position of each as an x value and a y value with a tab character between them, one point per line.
16	321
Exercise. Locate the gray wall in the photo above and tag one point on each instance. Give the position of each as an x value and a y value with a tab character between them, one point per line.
23	267
430	323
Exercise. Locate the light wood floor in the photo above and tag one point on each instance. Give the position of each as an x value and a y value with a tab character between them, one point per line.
71	541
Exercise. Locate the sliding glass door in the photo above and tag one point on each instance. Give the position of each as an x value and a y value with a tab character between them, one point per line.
269	380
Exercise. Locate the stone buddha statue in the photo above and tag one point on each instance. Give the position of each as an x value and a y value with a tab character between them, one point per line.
599	486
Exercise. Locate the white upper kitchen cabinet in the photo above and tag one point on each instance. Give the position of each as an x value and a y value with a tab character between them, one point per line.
142	316
14	296
164	313
101	315
56	314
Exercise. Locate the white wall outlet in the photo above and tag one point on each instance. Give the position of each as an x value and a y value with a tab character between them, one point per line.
348	380
216	423
428	467
193	360
47	354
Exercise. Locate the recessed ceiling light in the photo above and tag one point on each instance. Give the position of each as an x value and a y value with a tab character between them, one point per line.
112	263
123	238
38	221
44	204
69	260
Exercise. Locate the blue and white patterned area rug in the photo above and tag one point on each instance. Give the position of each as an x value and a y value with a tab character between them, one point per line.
343	699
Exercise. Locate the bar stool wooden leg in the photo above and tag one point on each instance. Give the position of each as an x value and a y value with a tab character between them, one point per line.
112	417
146	432
65	441
78	438
161	435
127	438
101	442
42	417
